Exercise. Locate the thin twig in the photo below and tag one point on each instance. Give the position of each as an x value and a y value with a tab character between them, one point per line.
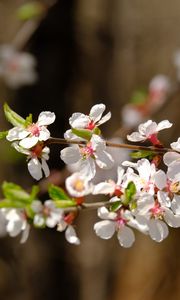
87	206
62	141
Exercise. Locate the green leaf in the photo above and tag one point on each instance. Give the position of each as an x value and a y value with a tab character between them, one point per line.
28	120
57	193
15	193
130	191
12	204
65	203
83	133
141	154
139	97
30	10
34	192
13	117
3	134
97	131
115	205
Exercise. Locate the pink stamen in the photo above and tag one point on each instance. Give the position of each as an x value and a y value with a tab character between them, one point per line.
156	210
87	151
91	125
34	129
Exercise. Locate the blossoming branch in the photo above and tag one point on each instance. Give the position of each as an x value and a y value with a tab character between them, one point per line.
143	197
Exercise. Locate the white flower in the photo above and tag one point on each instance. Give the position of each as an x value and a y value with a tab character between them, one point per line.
114	222
82	121
70	233
172	160
17	68
34	133
148	131
78	186
36	157
110	187
145	180
87	155
46	214
17	223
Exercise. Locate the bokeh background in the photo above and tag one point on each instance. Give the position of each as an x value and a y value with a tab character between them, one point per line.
90	52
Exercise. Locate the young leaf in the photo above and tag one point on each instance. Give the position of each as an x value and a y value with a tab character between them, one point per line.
13	117
65	203
57	193
115	205
141	154
28	120
34	192
130	191
83	133
11	204
97	131
3	134
15	193
30	10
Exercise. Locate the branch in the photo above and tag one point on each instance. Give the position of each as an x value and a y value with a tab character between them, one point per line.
62	141
87	206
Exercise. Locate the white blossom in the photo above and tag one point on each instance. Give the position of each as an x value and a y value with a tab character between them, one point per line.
17	68
17	223
46	214
78	186
87	155
148	131
36	132
36	157
82	121
111	223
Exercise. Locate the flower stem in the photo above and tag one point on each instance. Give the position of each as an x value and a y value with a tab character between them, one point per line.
87	206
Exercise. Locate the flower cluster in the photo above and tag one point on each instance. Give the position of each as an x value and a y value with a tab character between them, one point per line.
144	197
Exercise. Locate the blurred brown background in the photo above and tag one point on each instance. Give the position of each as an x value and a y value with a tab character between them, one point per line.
90	52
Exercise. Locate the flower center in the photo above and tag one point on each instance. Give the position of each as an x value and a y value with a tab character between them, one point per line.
87	151
156	210
79	185
91	125
34	129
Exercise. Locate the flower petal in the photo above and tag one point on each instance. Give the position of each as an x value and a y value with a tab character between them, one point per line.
70	155
104	160
34	168
158	230
87	168
105	119
16	133
96	112
104	188
160	179
78	120
163	125
46	118
45	167
170	157
71	236
171	219
175	204
126	237
104	229
29	142
44	134
135	137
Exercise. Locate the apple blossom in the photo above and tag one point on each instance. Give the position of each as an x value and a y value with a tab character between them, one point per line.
78	186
